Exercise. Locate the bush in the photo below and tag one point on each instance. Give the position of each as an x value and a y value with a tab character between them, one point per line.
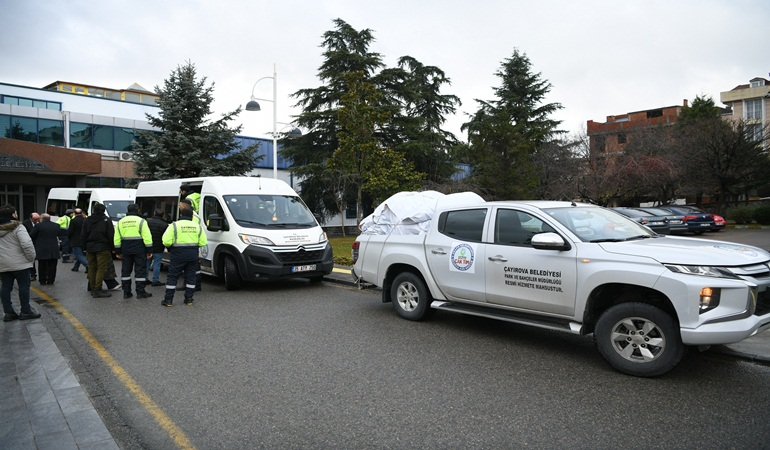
762	215
741	214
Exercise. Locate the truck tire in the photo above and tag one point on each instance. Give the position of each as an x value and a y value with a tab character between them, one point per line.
410	297
231	275
639	339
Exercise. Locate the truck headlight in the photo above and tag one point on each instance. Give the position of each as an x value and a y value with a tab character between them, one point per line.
709	299
704	271
255	240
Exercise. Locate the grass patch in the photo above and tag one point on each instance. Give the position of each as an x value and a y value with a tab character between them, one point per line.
341	247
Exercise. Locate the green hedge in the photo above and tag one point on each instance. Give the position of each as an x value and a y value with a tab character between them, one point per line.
762	215
741	214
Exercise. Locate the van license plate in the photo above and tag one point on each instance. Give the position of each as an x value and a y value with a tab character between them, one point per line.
303	268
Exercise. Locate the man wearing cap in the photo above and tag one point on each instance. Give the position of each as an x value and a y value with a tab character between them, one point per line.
64	225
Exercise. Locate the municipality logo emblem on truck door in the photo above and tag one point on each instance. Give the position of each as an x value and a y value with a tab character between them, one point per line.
462	258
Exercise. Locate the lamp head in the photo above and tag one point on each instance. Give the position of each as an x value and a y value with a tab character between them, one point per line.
253	106
294	133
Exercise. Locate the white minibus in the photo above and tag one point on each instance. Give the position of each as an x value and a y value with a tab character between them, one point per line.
116	200
257	228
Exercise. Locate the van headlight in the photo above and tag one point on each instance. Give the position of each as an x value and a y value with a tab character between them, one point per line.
323	237
254	240
704	271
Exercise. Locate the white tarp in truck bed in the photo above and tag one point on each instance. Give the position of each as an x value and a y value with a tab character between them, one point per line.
411	212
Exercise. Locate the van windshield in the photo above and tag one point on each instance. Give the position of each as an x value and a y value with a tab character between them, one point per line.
117	209
269	211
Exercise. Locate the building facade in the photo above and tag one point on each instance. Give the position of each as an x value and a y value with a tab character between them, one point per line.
74	135
612	136
749	102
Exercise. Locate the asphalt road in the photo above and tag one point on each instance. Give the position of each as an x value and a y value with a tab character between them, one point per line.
303	365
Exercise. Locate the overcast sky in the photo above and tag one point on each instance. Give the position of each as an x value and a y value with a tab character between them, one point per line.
601	57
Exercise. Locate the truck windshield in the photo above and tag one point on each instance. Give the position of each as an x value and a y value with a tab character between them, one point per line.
269	211
599	224
117	209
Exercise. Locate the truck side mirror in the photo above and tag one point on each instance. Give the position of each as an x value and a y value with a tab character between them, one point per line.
549	241
217	222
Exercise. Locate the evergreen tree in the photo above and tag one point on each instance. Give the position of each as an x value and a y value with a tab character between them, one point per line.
506	133
188	144
346	50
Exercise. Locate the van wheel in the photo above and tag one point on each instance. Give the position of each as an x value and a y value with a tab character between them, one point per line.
410	297
232	278
639	339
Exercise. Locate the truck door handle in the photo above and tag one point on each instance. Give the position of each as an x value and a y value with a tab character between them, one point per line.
498	259
438	252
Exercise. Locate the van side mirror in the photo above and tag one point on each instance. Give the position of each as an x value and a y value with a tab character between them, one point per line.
217	222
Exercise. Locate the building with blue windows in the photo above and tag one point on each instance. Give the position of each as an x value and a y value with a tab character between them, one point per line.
75	135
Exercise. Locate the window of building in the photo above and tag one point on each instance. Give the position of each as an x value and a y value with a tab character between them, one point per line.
754	132
757	83
753	109
149	100
622	138
123	139
43	104
24	129
132	97
96	92
80	135
113	95
351	212
51	132
66	88
600	143
103	137
5	126
80	90
654	113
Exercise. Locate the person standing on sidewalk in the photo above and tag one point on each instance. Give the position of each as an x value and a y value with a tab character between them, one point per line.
183	238
29	224
45	235
98	241
18	254
133	245
74	234
157	228
64	225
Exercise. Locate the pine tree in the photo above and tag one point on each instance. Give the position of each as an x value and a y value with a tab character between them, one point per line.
188	144
506	133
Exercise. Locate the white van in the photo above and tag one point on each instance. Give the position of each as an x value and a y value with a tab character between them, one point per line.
116	200
257	228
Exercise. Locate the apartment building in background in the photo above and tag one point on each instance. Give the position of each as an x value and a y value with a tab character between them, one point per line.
749	102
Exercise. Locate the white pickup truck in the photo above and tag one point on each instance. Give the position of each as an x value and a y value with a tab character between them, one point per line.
578	268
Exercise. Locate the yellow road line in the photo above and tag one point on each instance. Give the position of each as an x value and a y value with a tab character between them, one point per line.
338	270
144	399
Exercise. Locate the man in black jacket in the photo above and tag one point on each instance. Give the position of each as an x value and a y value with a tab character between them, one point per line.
98	234
45	235
30	223
74	233
157	228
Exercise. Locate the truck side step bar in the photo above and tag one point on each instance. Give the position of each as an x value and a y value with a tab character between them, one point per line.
509	316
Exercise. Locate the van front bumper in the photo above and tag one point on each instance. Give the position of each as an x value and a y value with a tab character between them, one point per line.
259	263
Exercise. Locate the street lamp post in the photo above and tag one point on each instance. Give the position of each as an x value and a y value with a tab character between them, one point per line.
253	105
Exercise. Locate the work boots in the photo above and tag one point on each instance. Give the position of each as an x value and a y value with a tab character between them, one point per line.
100	293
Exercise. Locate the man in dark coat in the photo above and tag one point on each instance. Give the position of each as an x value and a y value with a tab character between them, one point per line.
30	223
45	235
98	234
74	233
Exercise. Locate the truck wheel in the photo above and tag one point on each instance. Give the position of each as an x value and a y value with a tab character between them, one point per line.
232	278
639	339
410	297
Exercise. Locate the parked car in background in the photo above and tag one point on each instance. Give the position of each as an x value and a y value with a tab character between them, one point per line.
675	222
719	221
658	224
697	221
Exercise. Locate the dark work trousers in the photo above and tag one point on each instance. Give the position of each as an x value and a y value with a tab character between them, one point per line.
176	268
46	273
136	263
